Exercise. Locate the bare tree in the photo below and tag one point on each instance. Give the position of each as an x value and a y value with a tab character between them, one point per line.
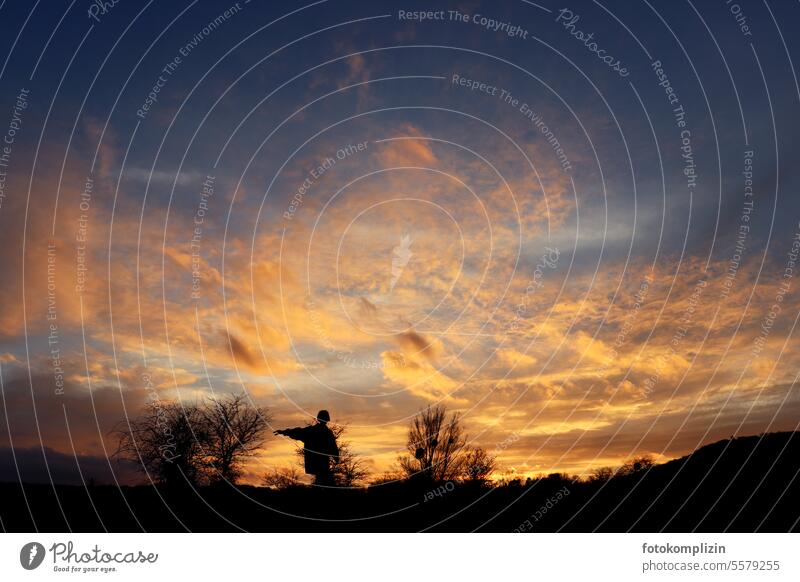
636	465
435	446
174	442
601	474
283	478
233	430
164	442
478	465
387	478
349	469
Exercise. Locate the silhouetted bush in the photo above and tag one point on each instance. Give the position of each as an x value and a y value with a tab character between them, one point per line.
283	478
637	465
164	442
349	469
478	465
232	431
177	443
435	446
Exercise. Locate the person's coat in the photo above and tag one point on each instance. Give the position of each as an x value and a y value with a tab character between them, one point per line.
319	447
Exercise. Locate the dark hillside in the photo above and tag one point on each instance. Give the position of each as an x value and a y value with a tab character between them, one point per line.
745	484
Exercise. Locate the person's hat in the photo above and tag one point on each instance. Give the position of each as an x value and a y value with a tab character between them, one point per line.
323	416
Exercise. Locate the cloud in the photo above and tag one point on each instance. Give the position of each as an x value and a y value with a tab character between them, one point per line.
407	152
162	177
241	353
417	344
418	377
515	358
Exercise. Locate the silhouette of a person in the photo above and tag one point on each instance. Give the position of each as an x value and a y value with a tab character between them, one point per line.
319	447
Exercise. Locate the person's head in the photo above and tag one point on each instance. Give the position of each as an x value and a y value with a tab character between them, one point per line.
323	416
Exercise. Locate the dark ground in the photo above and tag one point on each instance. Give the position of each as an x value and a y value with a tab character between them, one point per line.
742	485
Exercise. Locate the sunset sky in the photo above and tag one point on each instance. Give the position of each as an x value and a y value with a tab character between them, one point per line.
589	255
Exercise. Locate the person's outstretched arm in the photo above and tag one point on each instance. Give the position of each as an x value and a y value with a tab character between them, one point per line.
297	433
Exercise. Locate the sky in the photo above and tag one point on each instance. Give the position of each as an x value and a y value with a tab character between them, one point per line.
575	225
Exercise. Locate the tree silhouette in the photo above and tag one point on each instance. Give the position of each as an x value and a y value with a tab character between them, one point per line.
164	442
349	469
283	478
173	442
601	474
387	477
233	430
435	446
636	465
478	465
